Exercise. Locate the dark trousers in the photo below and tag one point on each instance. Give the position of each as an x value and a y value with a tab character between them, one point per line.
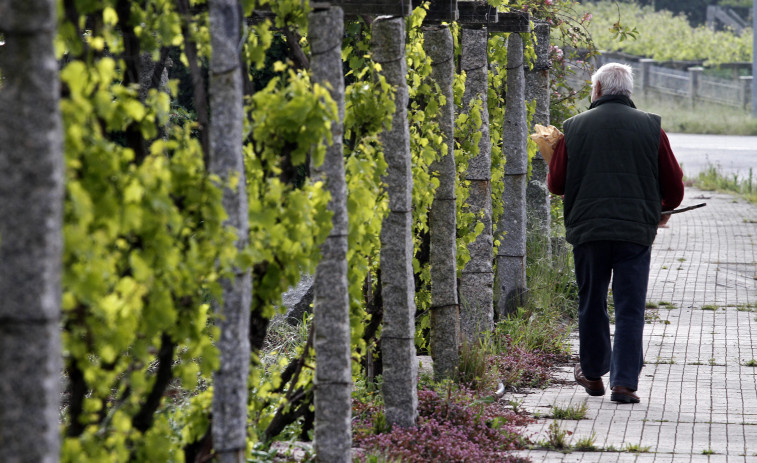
628	264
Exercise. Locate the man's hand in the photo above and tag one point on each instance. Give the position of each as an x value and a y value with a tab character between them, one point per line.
663	221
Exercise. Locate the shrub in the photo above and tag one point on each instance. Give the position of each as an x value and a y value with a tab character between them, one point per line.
449	429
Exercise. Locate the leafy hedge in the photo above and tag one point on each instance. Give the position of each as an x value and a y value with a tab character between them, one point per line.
664	36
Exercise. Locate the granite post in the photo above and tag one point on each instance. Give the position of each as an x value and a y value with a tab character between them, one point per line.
537	194
510	279
445	317
226	161
400	371
333	368
477	278
31	237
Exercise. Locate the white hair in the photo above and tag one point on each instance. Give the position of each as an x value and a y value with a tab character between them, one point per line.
614	79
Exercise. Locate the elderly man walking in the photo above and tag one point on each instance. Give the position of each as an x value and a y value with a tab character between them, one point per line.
618	173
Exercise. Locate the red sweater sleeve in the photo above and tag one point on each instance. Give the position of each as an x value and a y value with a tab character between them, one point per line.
558	167
671	175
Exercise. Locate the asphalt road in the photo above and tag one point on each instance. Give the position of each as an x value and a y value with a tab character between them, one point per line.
732	154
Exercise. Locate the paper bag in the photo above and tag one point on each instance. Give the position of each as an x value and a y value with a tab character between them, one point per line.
546	138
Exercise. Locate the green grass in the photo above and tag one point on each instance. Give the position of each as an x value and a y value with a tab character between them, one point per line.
750	363
570	412
586	444
636	448
552	302
710	307
557	438
650	317
663	361
708	118
473	368
711	179
551	278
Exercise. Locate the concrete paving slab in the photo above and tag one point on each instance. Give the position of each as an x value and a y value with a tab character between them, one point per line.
698	387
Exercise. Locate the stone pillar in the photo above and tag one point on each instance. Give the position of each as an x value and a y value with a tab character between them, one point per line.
746	91
445	317
694	75
644	79
510	279
753	98
397	280
230	391
477	279
537	89
31	237
333	367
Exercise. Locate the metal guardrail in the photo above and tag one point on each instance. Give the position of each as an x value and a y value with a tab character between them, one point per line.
691	83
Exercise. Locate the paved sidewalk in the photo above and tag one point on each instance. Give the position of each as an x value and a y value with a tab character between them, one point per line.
698	391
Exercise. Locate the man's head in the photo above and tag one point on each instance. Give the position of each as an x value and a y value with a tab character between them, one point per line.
612	79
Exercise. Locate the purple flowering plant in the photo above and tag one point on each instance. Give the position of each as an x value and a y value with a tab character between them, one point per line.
454	427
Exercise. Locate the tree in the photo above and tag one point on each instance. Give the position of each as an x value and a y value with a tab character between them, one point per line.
230	380
31	204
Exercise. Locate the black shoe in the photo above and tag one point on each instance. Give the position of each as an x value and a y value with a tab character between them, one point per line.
624	395
594	387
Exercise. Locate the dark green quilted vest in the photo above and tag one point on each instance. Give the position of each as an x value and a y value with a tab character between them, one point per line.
612	187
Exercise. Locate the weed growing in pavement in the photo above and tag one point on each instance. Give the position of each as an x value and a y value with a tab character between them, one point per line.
516	404
712	179
570	412
586	444
710	307
667	305
662	361
708	452
636	448
557	438
651	305
750	363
